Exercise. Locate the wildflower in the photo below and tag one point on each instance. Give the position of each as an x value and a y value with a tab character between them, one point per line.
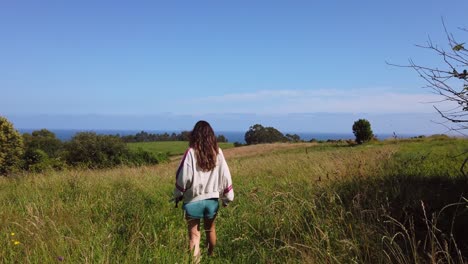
16	243
60	258
12	234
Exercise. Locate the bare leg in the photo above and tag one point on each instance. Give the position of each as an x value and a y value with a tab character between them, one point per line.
194	236
210	232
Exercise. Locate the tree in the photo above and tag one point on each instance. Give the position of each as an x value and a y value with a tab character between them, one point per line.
11	147
42	151
362	131
44	140
449	81
293	137
258	134
184	136
221	138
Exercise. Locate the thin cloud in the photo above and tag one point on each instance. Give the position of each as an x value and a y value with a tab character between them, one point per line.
323	100
263	95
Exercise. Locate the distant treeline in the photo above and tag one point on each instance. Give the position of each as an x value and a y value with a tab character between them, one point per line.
258	134
150	137
41	150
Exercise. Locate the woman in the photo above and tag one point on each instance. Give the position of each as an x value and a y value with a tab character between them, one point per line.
202	178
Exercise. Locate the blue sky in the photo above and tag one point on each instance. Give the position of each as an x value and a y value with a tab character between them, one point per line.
200	58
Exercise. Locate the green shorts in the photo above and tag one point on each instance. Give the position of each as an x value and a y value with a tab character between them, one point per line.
202	209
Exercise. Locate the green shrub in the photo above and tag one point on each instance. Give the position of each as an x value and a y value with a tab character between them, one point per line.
238	144
87	149
144	157
11	147
44	140
439	136
36	160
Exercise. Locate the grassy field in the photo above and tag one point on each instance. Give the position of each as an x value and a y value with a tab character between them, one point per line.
386	202
171	147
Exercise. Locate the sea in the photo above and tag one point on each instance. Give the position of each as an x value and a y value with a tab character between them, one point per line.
232	136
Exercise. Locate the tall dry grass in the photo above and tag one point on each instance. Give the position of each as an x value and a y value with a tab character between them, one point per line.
307	203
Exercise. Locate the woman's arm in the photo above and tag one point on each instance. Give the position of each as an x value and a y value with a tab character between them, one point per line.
227	194
183	177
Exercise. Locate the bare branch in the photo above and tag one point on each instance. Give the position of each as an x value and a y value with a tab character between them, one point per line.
450	119
449	81
462	168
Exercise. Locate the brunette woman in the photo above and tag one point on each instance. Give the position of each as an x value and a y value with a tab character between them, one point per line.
202	178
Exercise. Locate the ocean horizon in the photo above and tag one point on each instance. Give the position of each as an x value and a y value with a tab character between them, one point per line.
232	136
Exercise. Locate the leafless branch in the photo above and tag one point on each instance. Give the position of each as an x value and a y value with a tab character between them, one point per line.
449	81
449	118
462	168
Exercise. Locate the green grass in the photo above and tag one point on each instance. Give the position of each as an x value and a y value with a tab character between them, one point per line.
315	204
170	147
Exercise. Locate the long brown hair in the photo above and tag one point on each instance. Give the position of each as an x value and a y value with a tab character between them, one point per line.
203	141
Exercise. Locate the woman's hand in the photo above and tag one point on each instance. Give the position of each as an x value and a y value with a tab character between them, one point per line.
177	200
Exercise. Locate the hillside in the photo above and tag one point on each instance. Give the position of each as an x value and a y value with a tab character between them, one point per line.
392	201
